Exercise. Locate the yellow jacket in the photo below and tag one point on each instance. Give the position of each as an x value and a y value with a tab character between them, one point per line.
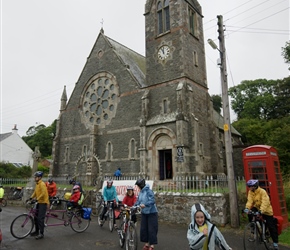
40	193
260	200
1	192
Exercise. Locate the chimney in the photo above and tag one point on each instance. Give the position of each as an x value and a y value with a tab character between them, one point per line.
14	130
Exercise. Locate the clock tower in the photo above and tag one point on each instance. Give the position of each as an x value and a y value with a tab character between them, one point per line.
174	41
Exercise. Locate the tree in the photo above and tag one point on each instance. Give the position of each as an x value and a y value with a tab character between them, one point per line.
286	53
261	99
217	103
41	136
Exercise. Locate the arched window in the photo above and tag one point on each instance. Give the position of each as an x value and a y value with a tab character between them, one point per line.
85	152
132	149
163	16
109	151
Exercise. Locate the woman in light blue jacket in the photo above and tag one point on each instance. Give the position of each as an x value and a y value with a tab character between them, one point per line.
149	213
202	234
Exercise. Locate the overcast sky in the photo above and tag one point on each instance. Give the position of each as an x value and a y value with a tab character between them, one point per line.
45	43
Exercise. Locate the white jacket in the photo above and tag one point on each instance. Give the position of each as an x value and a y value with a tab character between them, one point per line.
196	238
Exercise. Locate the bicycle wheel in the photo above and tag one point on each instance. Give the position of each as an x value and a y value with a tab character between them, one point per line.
100	211
99	203
78	224
111	220
268	240
22	226
4	203
122	235
131	237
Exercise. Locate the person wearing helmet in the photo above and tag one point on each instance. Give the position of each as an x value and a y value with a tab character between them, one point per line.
109	194
41	195
149	215
73	182
130	199
76	198
258	200
201	233
2	191
51	188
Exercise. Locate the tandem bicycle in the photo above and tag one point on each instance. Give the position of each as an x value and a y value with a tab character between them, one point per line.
23	224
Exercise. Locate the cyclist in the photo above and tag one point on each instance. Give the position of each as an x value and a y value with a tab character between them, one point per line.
76	199
51	188
201	233
74	182
149	215
130	199
2	191
109	195
258	200
41	195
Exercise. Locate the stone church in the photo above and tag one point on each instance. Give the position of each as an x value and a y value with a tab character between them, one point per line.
151	116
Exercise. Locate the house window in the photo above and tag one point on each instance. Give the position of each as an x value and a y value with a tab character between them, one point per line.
193	23
163	16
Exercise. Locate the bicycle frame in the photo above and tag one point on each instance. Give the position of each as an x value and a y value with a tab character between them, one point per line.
23	224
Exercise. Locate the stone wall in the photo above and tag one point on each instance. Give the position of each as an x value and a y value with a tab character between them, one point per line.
172	207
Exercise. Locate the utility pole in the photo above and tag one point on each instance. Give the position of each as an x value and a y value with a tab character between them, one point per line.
227	128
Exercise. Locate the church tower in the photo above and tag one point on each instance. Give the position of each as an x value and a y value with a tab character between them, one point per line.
174	41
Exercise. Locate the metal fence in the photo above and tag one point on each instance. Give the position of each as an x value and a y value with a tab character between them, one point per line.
195	184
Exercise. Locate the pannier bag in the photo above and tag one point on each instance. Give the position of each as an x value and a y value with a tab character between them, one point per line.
279	222
87	213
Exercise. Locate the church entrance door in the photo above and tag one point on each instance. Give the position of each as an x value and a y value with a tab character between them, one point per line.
165	164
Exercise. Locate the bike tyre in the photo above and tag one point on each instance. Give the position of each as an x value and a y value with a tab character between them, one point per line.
4	202
122	235
249	239
22	226
111	220
79	224
100	211
131	237
268	240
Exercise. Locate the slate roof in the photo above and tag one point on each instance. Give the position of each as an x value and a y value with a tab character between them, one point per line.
4	136
219	121
135	62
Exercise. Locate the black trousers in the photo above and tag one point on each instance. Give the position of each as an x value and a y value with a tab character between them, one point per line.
149	228
105	211
39	217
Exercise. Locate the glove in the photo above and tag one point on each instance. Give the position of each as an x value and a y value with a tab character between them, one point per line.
28	200
246	210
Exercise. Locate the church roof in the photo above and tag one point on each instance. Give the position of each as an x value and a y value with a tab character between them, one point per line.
219	121
135	62
4	136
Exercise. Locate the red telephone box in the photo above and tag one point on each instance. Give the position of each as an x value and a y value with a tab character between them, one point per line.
261	162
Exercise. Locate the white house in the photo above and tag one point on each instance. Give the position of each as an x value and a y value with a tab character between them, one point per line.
14	150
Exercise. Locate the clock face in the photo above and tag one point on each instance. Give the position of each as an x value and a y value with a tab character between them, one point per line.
163	52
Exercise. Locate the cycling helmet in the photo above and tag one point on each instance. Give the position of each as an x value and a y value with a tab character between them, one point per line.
38	174
252	183
72	181
50	180
109	182
130	188
140	183
76	187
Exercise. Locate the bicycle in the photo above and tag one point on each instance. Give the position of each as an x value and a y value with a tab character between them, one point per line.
127	231
98	203
3	202
256	233
15	193
109	215
23	224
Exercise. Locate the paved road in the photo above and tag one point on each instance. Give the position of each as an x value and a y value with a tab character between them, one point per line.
63	238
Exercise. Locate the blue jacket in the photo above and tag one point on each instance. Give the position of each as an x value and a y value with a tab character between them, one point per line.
110	194
146	197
